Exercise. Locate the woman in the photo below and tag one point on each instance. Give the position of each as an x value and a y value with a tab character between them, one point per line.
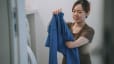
83	33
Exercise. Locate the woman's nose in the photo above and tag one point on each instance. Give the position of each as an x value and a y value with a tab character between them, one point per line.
75	13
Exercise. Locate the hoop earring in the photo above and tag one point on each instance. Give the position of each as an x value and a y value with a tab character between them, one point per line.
86	16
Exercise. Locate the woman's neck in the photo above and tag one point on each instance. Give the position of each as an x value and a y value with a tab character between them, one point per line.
80	24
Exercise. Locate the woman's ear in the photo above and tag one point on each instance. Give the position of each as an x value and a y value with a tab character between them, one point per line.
87	14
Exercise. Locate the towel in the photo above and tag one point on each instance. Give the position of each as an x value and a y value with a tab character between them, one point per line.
58	34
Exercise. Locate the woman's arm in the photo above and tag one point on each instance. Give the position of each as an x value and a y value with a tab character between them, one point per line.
77	43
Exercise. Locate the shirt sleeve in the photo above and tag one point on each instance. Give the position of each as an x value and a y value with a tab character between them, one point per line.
89	33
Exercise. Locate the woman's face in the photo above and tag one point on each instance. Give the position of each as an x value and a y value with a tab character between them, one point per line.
79	14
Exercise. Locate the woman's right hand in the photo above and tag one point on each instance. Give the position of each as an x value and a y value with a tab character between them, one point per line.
56	11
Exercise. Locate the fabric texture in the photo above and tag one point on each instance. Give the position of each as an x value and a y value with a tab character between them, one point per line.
58	34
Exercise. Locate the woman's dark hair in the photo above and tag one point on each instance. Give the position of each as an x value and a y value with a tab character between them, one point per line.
85	5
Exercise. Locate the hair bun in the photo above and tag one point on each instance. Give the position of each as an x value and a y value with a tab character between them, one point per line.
82	0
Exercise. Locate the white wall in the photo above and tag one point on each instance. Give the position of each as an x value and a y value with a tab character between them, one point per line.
96	21
45	7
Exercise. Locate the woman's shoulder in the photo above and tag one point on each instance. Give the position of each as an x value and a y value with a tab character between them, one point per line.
91	31
89	28
69	23
88	32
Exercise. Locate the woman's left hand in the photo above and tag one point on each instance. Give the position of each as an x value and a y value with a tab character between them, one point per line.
70	44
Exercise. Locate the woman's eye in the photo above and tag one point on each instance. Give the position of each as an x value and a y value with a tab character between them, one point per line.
74	11
80	12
